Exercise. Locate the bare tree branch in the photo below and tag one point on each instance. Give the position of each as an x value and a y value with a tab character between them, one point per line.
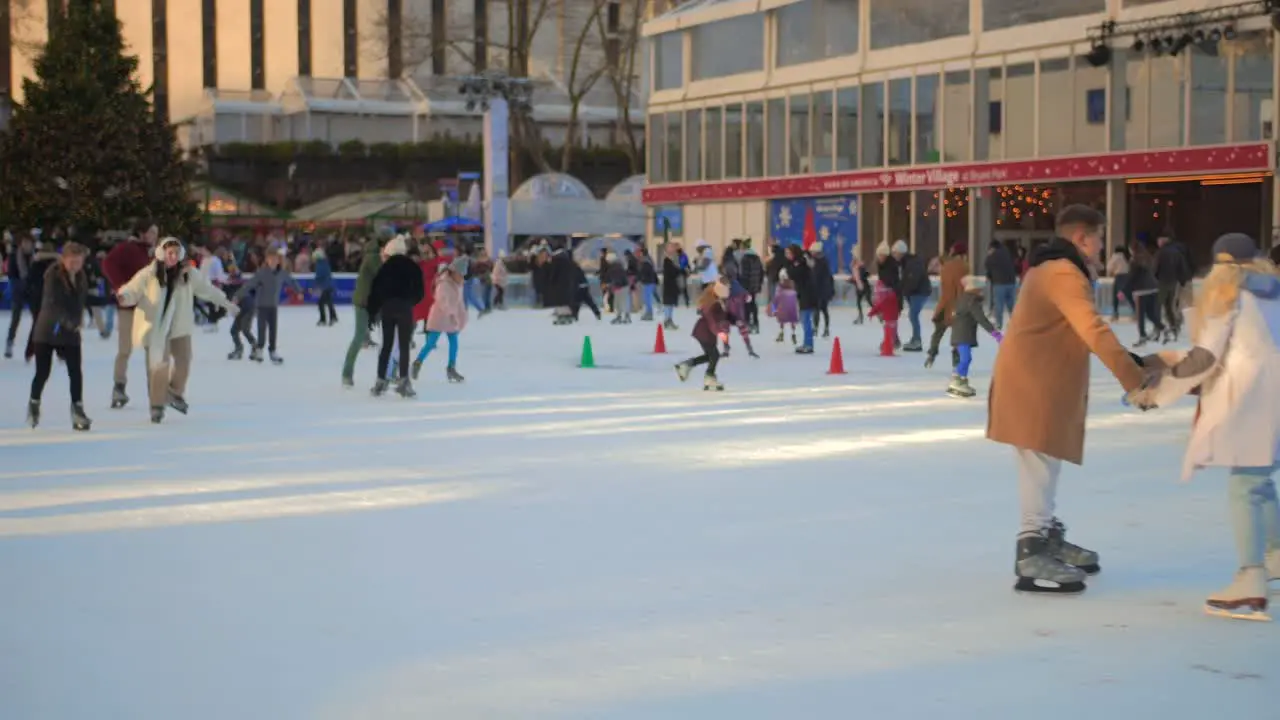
623	77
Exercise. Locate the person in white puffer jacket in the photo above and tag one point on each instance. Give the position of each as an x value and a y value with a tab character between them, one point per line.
1235	368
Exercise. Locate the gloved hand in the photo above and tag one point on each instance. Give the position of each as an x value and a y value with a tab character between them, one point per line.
1143	398
999	336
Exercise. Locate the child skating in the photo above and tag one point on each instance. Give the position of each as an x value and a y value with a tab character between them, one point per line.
736	308
244	320
266	284
968	316
448	316
886	307
712	325
1235	365
785	307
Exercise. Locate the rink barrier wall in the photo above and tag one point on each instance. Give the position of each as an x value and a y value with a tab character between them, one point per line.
520	291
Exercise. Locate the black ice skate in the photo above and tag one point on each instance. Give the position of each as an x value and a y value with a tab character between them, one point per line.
1039	572
928	361
118	397
379	388
709	382
669	325
804	350
348	382
1086	560
178	403
33	413
826	332
417	368
913	346
782	336
236	354
256	355
8	348
793	337
79	421
157	414
616	321
647	317
276	359
682	370
452	374
405	389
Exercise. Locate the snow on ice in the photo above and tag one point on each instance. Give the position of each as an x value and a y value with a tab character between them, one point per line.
549	542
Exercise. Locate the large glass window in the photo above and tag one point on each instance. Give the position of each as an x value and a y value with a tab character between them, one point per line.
798	136
1208	98
733	129
815	30
997	14
928	210
900	121
847	128
755	139
675	141
1020	111
820	132
728	47
988	113
1166	101
657	147
693	145
926	144
776	148
957	115
1056	103
873	125
1251	105
902	22
715	152
1091	110
668	60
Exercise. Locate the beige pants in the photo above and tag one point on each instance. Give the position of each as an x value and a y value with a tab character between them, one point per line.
124	344
172	374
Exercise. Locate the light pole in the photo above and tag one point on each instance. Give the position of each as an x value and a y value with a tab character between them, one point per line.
496	95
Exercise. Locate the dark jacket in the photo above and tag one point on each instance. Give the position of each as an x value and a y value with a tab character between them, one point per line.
802	276
1000	267
562	280
395	289
777	262
915	276
62	307
124	261
616	275
751	270
33	288
369	266
1172	267
19	261
889	272
712	320
324	275
1141	275
647	275
968	316
671	274
824	285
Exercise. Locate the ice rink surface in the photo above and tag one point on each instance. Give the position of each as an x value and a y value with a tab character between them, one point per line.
549	542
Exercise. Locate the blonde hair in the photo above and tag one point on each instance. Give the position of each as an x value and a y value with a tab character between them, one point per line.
1220	290
708	296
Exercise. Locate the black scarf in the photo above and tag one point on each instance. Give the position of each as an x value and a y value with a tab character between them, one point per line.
1059	249
168	277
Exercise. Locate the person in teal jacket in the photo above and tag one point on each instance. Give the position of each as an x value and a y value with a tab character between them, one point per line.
364	281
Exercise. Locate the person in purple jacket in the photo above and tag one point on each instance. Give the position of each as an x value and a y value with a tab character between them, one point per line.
713	324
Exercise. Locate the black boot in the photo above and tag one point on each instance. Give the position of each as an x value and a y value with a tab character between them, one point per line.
79	421
33	413
118	398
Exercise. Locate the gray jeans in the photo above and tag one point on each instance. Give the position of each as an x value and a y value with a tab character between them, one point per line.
1037	489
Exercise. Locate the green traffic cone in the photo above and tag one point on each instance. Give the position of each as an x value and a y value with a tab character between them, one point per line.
588	358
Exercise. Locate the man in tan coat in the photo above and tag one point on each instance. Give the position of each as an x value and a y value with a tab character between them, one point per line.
953	272
1040	391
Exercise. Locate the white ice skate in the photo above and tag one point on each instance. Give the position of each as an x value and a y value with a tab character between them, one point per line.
1244	599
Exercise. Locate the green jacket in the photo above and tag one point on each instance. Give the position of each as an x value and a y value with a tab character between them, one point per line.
368	268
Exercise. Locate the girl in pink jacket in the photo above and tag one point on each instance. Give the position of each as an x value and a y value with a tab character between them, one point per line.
448	316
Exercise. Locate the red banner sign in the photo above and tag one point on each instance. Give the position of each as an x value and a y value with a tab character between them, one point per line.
1146	163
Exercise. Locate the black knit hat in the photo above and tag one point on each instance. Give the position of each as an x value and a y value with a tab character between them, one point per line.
1235	247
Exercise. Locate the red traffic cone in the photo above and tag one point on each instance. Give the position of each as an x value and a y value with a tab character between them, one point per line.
837	360
660	342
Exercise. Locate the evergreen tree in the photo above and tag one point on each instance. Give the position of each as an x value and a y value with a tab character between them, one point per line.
84	148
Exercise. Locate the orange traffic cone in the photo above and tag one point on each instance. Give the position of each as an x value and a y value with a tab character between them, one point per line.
837	360
660	342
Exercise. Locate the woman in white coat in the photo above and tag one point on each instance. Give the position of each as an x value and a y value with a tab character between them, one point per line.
1235	364
164	293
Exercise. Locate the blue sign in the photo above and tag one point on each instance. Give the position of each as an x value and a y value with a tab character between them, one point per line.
832	221
670	214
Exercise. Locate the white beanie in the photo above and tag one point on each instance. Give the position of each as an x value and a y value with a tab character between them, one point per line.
395	246
882	249
900	247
